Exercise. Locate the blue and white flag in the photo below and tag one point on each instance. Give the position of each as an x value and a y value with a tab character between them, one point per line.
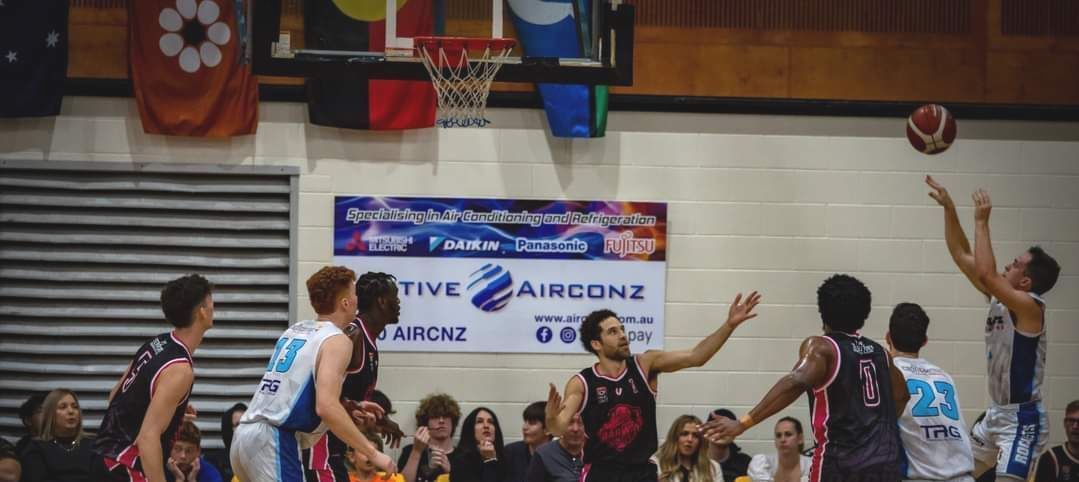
562	28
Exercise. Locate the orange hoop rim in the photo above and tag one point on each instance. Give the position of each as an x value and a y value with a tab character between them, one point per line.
464	43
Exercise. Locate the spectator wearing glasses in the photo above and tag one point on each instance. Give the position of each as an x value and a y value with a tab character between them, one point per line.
1062	462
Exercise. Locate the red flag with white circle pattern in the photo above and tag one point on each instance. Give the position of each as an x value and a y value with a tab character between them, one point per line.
187	69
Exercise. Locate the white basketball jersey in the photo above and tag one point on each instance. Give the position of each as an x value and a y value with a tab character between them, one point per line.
936	443
1016	360
285	397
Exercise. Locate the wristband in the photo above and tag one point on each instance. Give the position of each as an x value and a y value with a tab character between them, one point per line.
746	421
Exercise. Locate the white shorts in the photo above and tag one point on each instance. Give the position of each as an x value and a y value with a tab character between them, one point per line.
1012	436
264	453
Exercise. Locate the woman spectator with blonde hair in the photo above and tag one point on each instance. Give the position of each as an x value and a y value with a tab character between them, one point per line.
62	452
683	457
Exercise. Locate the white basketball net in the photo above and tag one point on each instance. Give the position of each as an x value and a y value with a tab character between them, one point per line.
462	86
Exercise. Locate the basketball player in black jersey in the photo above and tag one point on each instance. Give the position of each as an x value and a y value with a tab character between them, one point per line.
378	305
148	402
1061	463
616	397
855	393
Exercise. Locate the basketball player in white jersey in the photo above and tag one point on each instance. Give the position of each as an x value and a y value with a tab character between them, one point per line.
935	441
1015	429
298	398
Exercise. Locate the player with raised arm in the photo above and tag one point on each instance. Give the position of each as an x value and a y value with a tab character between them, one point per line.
299	397
855	393
616	397
1015	424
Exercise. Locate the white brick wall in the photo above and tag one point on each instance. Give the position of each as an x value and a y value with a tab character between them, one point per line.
756	202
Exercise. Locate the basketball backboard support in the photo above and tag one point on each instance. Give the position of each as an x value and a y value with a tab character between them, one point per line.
609	59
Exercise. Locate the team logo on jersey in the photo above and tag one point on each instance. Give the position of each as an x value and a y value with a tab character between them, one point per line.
862	348
624	422
994	323
941	432
601	394
269	386
158	345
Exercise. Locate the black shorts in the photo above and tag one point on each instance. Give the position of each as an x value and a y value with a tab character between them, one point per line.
619	473
320	465
876	473
333	470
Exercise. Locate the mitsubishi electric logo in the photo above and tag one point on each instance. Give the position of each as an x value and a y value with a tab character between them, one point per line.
436	243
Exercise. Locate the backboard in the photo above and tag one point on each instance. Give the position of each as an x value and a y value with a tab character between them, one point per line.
562	41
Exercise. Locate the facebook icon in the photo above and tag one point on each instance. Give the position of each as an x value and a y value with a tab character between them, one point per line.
543	334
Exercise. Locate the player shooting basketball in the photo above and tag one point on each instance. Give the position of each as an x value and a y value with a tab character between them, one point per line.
1015	424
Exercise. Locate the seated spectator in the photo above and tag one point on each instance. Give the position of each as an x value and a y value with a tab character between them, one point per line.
1062	462
533	434
683	457
428	456
560	461
30	414
730	457
220	458
10	468
63	452
360	468
478	457
787	464
186	463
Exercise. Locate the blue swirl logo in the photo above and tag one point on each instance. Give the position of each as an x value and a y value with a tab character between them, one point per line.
491	287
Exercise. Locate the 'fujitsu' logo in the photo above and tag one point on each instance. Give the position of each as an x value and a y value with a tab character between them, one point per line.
625	243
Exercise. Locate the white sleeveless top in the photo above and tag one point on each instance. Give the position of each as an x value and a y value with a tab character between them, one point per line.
763	467
1016	360
285	398
935	437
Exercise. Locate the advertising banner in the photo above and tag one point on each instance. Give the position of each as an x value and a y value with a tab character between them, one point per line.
508	276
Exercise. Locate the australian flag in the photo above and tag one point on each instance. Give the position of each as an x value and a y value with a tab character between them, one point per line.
562	28
33	57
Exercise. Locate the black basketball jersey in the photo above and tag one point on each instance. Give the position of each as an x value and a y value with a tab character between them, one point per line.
1057	464
123	418
359	383
619	416
854	419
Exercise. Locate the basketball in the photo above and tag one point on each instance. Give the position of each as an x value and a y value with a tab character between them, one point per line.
931	129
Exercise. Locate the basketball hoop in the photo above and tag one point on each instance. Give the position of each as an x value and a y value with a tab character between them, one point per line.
462	70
